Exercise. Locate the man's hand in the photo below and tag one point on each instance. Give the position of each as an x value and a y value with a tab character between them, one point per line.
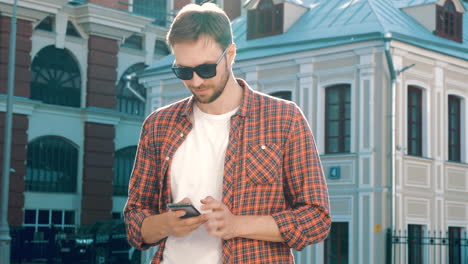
221	222
157	227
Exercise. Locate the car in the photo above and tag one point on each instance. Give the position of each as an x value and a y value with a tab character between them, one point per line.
102	242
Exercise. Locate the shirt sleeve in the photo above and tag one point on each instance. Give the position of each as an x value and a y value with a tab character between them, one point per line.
143	190
308	221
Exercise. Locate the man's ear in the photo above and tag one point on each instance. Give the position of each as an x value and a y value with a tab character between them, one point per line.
231	53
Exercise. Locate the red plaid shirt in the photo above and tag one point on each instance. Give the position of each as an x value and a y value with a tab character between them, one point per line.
272	167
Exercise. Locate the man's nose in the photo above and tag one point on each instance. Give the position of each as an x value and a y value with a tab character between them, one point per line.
196	80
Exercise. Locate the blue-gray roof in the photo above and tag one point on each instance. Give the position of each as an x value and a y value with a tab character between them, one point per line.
337	22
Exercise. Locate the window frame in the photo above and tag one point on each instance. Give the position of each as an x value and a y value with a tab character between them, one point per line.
454	131
258	17
342	147
125	157
449	23
340	240
418	152
38	162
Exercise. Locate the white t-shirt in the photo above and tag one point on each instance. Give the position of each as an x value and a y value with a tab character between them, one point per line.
197	172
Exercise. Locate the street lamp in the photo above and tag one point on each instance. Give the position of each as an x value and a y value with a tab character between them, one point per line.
5	239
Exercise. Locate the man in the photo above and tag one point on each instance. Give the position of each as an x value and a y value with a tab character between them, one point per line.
246	160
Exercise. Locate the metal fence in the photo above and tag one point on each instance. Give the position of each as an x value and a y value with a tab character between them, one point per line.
431	247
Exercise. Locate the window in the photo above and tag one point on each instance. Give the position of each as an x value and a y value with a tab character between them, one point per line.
47	24
338	119
454	128
124	160
38	222
455	245
52	165
415	244
71	30
127	101
160	48
286	95
414	121
156	9
56	78
200	2
133	42
449	22
265	20
336	245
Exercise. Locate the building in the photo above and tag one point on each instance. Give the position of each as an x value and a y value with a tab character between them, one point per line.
76	122
383	84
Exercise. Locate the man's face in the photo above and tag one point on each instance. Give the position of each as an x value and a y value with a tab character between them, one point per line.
203	51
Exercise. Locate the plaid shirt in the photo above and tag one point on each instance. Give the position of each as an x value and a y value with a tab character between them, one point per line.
271	168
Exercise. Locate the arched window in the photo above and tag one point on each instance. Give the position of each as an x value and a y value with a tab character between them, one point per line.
52	165
56	78
449	22
123	160
286	95
265	20
127	101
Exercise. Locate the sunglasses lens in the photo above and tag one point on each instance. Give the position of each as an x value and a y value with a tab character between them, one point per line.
206	70
183	73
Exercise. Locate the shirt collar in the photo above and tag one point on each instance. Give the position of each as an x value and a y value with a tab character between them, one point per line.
245	105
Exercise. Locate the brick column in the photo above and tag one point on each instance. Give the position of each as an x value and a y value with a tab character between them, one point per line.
20	122
99	138
98	172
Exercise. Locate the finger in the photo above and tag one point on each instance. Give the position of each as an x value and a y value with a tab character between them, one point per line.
179	213
212	205
215	215
185	200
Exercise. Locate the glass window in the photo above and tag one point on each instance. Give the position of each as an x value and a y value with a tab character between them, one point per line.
124	160
454	128
414	121
127	101
265	20
46	218
336	245
52	165
455	245
286	95
415	244
338	119
56	78
156	9
449	22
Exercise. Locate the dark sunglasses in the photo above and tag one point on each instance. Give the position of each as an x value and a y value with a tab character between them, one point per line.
205	71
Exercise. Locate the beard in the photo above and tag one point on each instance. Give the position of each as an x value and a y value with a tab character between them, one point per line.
217	88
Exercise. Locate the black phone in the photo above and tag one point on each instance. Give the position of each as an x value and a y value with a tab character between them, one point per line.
190	210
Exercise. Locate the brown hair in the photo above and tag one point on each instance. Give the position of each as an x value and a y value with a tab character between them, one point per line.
194	21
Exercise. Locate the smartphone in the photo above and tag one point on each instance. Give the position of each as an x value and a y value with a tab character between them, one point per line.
190	210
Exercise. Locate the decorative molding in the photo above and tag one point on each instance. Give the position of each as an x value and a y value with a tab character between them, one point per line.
109	23
32	10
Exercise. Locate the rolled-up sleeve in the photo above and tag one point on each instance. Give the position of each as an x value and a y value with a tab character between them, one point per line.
308	221
143	189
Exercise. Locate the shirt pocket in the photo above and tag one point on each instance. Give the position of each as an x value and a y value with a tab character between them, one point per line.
263	163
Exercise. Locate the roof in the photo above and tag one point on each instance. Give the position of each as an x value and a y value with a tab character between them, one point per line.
337	22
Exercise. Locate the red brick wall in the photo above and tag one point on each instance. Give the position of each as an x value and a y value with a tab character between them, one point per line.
18	157
102	73
98	172
112	3
23	58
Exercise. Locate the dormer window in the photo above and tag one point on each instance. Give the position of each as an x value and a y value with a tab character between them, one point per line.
449	22
265	20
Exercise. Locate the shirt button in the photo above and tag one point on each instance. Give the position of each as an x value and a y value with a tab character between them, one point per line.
263	147
181	134
167	158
